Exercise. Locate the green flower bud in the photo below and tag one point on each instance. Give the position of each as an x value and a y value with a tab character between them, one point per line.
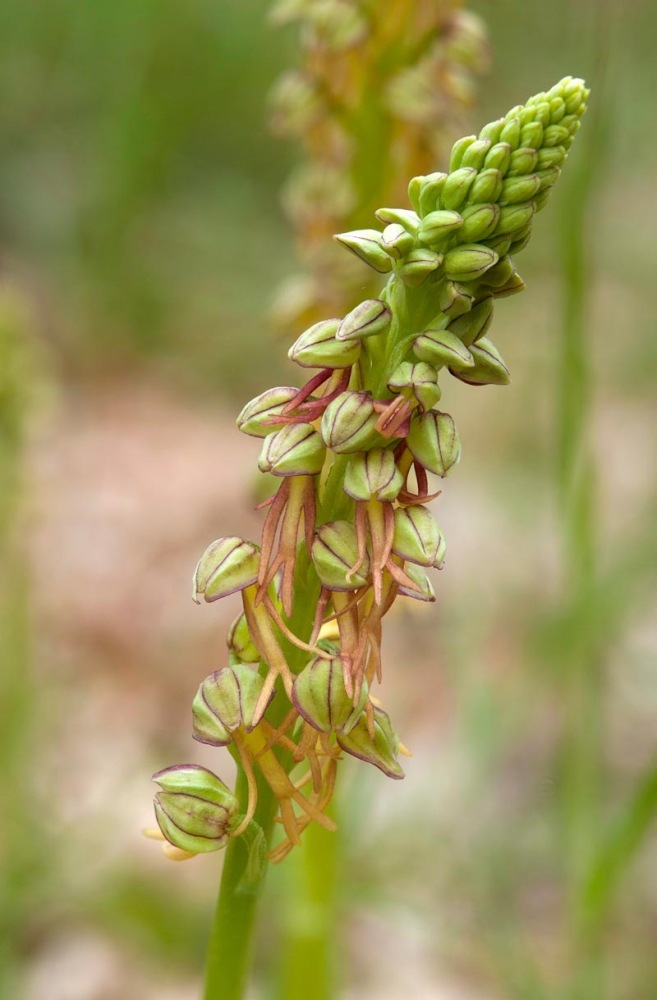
555	135
373	476
478	222
500	244
526	116
518	189
414	189
195	810
409	221
334	552
523	161
458	149
424	592
514	217
500	274
418	381
226	701
418	539
295	450
552	156
557	110
548	177
382	750
515	283
320	697
475	154
442	348
575	95
531	136
518	245
318	347
511	133
256	416
227	565
396	241
489	367
418	265
498	157
487	187
569	88
473	325
195	780
430	192
454	300
349	422
542	113
368	319
540	201
366	244
469	261
492	130
437	225
520	234
434	442
456	187
240	643
573	128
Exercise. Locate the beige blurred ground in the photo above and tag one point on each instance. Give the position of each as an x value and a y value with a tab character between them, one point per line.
129	482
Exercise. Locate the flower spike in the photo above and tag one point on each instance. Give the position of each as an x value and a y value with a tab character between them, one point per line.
349	531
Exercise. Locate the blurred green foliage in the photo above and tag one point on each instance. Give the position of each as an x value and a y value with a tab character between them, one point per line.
138	183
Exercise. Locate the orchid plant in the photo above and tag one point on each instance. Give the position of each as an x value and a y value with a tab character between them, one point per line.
356	448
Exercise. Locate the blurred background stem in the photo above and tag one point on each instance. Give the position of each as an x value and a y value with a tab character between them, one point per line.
18	867
582	749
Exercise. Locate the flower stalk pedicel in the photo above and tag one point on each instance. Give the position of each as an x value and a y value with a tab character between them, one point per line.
348	530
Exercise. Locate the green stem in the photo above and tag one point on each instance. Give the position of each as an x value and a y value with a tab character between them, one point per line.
308	944
229	951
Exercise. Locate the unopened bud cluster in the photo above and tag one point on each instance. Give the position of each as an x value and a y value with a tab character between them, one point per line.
357	449
373	78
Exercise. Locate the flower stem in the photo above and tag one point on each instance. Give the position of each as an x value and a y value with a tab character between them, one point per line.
308	945
229	950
